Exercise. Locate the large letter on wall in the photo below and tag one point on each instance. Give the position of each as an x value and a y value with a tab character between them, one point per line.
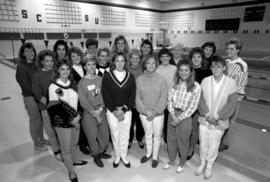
86	18
24	13
39	18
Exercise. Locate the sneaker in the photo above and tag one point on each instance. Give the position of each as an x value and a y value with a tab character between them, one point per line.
144	159
167	166
199	170
179	169
40	148
154	163
208	173
98	161
105	156
223	147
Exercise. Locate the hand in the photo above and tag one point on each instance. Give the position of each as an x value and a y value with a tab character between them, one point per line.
96	113
43	100
99	120
118	111
211	119
121	118
150	115
174	123
175	119
75	121
119	114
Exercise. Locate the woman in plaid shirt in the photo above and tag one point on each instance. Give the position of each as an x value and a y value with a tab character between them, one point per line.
183	101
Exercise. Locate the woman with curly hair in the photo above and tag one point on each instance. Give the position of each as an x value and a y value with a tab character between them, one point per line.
40	84
62	108
60	48
120	44
183	101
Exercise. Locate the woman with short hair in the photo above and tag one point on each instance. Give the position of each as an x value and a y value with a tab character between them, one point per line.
151	96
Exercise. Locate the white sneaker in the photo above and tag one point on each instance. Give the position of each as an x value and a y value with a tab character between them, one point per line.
179	169
58	157
199	170
166	166
208	173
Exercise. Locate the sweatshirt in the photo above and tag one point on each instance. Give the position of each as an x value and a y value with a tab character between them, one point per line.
40	84
24	74
151	93
89	91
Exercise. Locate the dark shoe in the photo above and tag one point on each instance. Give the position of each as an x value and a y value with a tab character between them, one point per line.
127	165
190	156
129	145
85	150
154	163
141	145
75	179
105	156
80	163
144	159
223	147
115	165
98	161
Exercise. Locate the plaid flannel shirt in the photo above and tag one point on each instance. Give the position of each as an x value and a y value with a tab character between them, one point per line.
179	98
240	74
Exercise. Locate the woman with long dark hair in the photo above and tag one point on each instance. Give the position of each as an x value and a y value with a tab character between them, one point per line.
63	102
197	57
60	48
146	49
24	73
183	101
136	69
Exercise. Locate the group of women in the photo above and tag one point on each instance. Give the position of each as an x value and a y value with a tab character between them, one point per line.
90	97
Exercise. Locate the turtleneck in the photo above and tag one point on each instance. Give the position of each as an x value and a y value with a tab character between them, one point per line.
150	74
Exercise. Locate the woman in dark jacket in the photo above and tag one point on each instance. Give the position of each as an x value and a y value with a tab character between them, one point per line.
24	73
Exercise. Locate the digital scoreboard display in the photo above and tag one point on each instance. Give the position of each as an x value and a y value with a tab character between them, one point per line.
222	24
254	13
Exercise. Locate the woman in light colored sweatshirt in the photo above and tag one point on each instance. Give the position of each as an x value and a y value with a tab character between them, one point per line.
217	104
151	96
